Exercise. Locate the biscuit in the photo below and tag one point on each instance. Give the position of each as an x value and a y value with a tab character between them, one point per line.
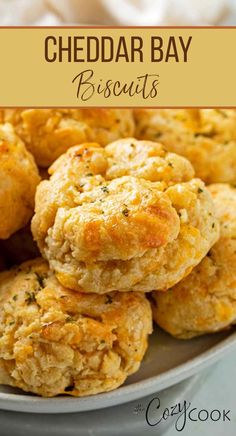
48	133
19	178
54	341
120	218
207	137
205	301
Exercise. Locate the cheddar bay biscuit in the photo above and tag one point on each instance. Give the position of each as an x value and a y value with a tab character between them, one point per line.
54	341
207	137
48	133
19	178
205	302
120	218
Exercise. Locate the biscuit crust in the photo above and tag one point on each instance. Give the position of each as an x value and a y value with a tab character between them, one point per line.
205	301
120	218
54	341
19	178
207	137
48	133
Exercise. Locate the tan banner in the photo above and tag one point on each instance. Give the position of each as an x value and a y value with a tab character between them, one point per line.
164	67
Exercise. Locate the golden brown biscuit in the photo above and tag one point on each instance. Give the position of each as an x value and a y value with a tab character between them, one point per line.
50	132
12	116
54	341
147	160
207	137
205	302
122	233
19	178
224	197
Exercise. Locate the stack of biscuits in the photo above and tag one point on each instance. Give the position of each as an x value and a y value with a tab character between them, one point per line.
106	224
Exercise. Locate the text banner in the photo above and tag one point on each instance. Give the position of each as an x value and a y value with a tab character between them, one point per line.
88	66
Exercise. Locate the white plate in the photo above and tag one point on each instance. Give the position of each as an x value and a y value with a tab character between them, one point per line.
167	362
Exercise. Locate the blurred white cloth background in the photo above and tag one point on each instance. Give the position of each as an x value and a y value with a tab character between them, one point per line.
114	12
